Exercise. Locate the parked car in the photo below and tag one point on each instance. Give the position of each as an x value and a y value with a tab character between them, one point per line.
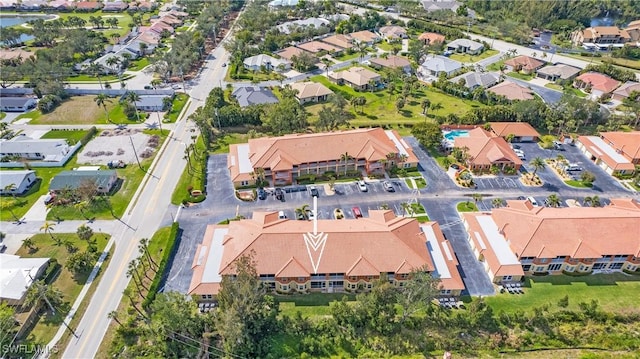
281	215
388	186
533	201
455	166
573	167
224	64
515	147
279	194
356	212
518	151
314	191
338	214
362	186
3	247
148	87
521	198
311	214
262	194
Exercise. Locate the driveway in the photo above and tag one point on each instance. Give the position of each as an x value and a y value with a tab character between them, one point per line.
548	95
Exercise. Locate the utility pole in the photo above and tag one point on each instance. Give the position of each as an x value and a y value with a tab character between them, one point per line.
135	153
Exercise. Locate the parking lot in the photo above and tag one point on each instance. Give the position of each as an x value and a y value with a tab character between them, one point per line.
501	182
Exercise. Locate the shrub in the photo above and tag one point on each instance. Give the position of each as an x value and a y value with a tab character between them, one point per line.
92	132
48	103
166	254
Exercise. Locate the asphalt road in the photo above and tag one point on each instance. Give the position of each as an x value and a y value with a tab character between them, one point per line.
548	95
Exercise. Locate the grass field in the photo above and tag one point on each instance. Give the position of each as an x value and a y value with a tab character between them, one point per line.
380	108
473	58
139	64
309	305
579	184
66	282
615	292
467	207
80	110
178	104
71	136
221	144
347	57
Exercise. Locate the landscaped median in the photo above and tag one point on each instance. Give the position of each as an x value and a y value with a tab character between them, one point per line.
190	187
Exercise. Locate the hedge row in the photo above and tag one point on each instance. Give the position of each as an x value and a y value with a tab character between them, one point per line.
166	254
92	132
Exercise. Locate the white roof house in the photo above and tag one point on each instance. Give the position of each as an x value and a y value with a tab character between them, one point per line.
465	45
16	276
50	150
434	65
22	180
473	80
287	27
256	63
281	3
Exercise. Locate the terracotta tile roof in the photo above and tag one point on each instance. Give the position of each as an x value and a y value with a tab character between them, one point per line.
310	89
633	25
626	142
603	151
608	31
339	40
519	129
290	52
8	54
525	62
358	247
599	81
317	46
392	61
431	37
573	231
561	70
512	91
88	5
358	76
364	36
486	148
627	88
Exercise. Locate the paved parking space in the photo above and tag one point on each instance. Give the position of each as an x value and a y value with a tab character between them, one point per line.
498	182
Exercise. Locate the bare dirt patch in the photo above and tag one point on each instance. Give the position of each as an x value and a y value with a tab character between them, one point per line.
117	145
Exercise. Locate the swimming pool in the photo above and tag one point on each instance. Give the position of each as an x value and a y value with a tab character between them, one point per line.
451	135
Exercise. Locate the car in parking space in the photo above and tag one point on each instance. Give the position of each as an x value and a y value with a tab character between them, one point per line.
362	186
338	214
522	198
314	191
533	201
281	215
388	186
279	194
515	147
356	212
558	146
262	194
455	166
572	167
311	214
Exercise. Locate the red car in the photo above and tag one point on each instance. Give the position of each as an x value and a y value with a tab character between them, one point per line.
356	212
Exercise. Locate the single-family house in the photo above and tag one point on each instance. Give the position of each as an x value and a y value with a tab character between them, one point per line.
151	103
276	4
33	5
160	28
524	64
48	150
365	37
61	5
486	150
316	47
170	20
254	95
520	131
344	42
437	5
16	182
391	62
431	38
465	46
600	37
266	62
358	78
512	91
555	241
617	153
434	65
286	158
633	30
313	22
625	90
311	92
349	255
392	33
15	54
114	6
557	72
473	80
88	6
596	84
17	275
288	53
17	104
104	180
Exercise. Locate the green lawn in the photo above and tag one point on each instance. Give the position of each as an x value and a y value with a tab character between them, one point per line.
309	305
71	136
139	64
178	104
554	86
420	182
577	92
69	284
2	115
579	184
473	58
222	143
90	78
615	292
521	76
81	110
467	207
347	57
383	45
417	208
193	178
380	108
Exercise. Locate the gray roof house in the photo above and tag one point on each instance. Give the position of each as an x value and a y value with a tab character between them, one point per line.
48	150
465	45
315	22
434	65
256	63
16	276
103	179
16	104
472	80
253	95
151	102
435	5
22	180
558	72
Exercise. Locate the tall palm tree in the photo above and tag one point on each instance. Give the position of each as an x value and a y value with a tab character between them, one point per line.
114	315
497	202
143	247
133	97
537	163
128	292
425	106
327	64
553	200
28	242
95	69
48	228
345	157
101	101
11	187
406	208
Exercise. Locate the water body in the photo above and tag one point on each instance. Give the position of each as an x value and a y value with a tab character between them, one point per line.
15	20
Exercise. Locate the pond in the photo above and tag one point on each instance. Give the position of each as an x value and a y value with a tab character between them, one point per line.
14	20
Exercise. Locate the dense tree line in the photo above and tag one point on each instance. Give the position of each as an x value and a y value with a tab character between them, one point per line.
614	72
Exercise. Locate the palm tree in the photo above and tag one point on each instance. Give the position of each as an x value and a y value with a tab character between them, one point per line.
327	64
345	157
40	291
302	211
11	187
436	106
476	197
537	163
588	201
497	202
48	228
128	292
595	201
113	62
553	200
143	248
96	70
133	97
114	315
28	242
384	206
425	105
406	208
101	101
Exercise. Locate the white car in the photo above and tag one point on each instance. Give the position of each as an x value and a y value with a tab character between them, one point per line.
362	186
311	215
533	201
517	151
